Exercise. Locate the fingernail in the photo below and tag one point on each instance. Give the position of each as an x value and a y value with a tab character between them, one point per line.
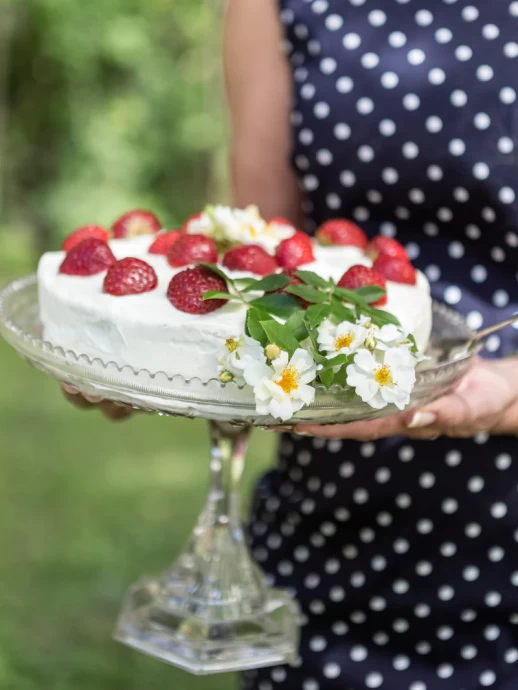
421	419
92	398
71	390
301	432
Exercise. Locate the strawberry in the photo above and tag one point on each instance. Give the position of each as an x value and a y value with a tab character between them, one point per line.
341	232
130	277
295	251
252	258
192	249
396	270
281	221
360	276
386	245
187	288
84	233
195	216
135	223
164	242
87	258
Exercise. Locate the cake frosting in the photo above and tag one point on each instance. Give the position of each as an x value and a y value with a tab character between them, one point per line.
146	332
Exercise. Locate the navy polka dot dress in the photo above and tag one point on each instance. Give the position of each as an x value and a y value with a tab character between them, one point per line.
404	554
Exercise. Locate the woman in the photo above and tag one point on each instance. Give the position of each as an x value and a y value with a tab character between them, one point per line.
402	551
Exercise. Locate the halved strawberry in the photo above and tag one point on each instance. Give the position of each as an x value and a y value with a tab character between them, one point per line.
195	216
192	249
136	223
295	251
341	232
87	258
187	288
83	233
130	276
396	270
164	242
252	258
388	246
361	276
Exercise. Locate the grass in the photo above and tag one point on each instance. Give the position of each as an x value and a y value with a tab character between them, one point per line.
86	508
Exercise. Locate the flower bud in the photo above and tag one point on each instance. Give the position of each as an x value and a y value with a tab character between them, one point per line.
226	376
370	343
272	351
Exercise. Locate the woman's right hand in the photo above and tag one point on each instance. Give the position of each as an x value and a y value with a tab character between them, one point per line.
117	412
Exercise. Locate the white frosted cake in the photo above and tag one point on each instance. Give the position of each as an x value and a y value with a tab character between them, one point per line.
145	330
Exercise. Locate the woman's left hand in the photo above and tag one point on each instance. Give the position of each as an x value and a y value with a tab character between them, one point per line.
486	400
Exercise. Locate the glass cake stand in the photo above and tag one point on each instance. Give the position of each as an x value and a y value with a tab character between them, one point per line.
212	611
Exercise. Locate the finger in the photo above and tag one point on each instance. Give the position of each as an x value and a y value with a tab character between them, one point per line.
71	390
448	414
114	412
360	431
79	401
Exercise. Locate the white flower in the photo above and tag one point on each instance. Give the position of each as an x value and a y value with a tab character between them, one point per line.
240	353
283	388
383	378
343	339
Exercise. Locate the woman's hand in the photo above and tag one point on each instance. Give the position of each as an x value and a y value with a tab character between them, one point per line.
114	411
486	400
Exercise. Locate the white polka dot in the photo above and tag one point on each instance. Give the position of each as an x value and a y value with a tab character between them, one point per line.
346	470
450	506
511	238
378	563
342	131
485	73
317	607
478	274
468	652
511	656
320	6
365	106
317	643
410	150
452	294
306	137
344	85
384	519
351	41
347	178
507	95
453	458
424	17
357	579
333	201
366	154
300	74
471	573
416	56
308	684
389	80
374	680
387	127
445	214
314	47
334	22
500	298
493	599
513	9
456	250
358	617
446	593
389	175
487	678
445	671
307	91
358	653
350	552
400	587
377	18
470	13
482	121
397	39
473	530
401	546
377	604
468	615
443	35
411	101
463	53
367	450
380	638
498	510
458	98
402	213
321	110
328	66
324	157
370	60
490	31
418	685
475	484
436	76
400	625
497	254
481	171
279	675
388	229
433	124
460	194
503	461
337	594
435	173
331	670
424	526
416	196
511	49
427	480
488	214
445	632
433	272
403	501
492	632
457	147
507	195
422	610
340	628
374	196
401	662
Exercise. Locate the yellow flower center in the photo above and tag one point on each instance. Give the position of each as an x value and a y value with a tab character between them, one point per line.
289	380
344	341
231	344
383	375
252	231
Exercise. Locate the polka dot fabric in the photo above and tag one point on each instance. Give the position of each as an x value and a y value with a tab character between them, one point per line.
401	553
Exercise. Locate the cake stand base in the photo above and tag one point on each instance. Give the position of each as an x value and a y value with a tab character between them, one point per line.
150	623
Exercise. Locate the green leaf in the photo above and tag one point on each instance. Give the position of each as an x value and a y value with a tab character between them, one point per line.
371	293
341	377
336	362
280	335
297	325
253	325
350	296
313	279
277	304
316	314
414	347
341	312
269	283
216	294
308	293
380	317
326	376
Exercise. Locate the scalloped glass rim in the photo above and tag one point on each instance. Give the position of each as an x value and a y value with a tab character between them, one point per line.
212	399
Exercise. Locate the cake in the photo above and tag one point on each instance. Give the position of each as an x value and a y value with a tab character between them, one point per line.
141	326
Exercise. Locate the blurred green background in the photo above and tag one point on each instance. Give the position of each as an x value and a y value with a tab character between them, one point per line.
105	105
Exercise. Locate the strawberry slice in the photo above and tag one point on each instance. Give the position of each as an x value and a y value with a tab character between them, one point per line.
388	246
164	242
361	276
87	258
130	277
136	223
187	288
252	258
295	251
396	270
192	249
84	233
343	233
